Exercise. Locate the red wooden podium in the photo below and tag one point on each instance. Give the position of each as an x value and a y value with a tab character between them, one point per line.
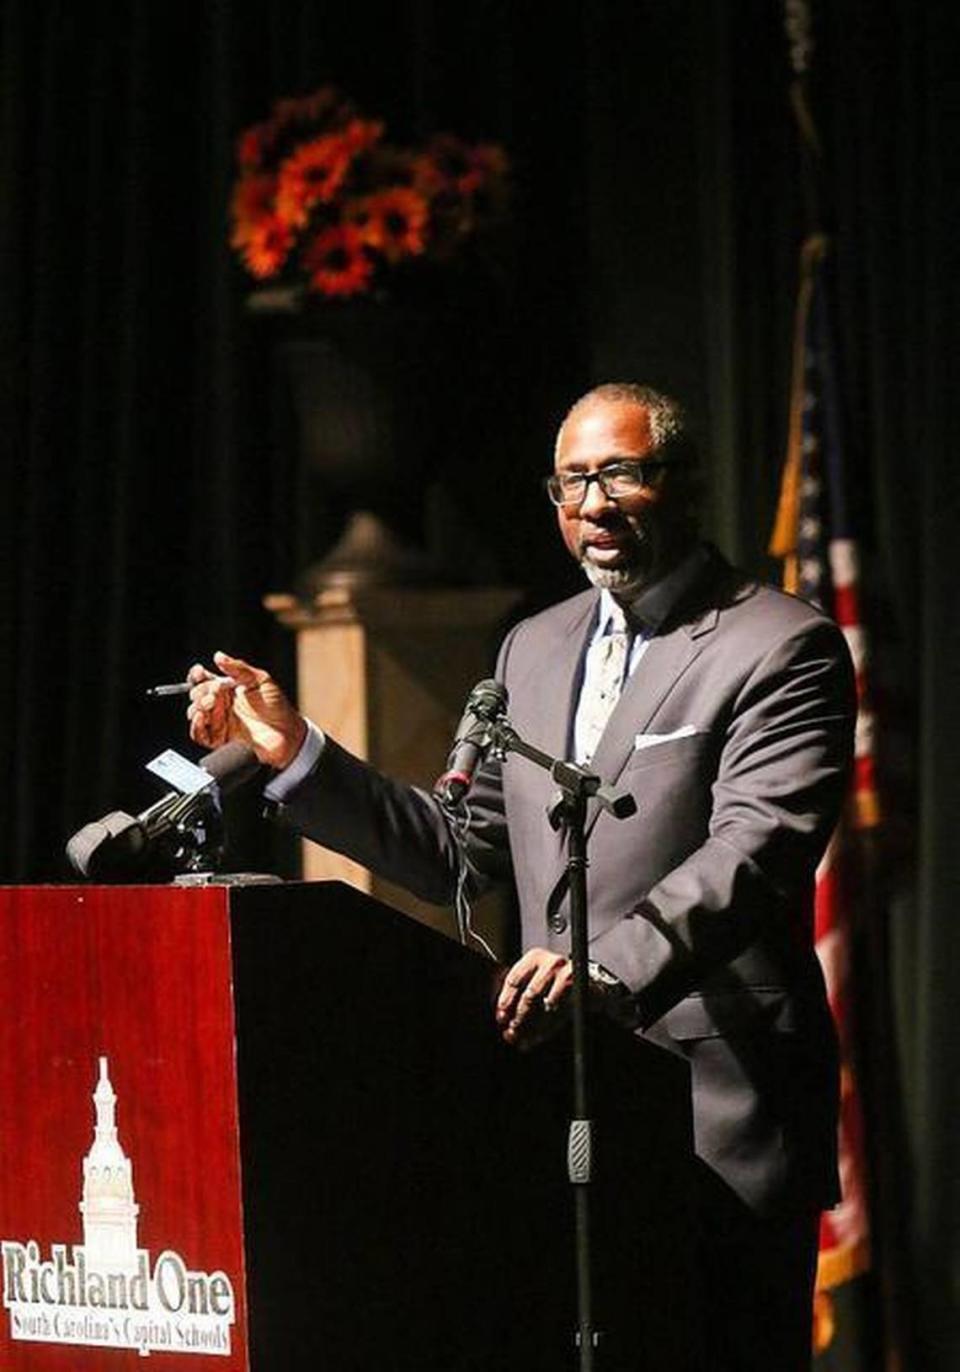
272	1126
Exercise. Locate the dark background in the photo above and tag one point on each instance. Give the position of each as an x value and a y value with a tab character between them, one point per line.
147	503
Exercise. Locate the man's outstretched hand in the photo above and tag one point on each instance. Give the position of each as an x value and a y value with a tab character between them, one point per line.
246	704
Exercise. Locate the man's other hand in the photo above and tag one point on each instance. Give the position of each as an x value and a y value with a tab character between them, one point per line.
246	704
533	996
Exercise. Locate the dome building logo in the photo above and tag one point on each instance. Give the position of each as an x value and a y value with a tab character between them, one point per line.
105	1292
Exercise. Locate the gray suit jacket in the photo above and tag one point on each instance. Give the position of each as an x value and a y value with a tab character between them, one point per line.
734	735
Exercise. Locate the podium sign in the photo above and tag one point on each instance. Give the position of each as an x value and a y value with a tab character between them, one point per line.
121	1228
274	1129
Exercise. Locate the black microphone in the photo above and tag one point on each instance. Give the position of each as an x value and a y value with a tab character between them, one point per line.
486	704
121	846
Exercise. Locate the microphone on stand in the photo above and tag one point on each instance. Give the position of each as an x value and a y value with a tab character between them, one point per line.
486	705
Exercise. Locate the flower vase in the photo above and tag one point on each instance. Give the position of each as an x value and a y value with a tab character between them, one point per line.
372	389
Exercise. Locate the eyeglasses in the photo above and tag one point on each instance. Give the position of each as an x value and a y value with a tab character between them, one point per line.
619	480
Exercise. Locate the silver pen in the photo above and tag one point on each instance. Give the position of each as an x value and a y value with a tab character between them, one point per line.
181	688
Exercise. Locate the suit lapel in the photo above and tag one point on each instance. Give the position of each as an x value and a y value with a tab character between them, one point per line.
661	664
666	658
664	662
557	678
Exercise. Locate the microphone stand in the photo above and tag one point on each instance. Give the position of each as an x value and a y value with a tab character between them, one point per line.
569	813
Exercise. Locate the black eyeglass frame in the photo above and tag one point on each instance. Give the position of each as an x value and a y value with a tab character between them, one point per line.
642	469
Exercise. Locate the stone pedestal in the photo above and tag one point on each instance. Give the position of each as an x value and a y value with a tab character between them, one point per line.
386	671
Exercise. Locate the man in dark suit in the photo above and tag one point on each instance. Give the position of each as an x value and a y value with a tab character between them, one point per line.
727	709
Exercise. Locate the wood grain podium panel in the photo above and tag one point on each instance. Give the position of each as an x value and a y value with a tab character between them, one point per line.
141	977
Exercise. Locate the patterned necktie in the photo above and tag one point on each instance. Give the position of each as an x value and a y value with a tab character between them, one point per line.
604	671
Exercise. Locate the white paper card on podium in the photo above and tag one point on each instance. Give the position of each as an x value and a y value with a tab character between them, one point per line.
184	776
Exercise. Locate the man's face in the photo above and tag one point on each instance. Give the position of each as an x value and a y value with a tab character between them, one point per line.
624	543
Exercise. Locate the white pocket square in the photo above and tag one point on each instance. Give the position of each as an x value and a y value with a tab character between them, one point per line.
651	740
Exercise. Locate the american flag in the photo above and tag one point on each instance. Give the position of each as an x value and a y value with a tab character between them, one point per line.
813	536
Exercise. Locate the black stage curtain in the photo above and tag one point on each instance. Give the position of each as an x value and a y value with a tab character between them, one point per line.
147	504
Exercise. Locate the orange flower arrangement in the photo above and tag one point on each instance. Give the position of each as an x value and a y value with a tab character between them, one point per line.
323	203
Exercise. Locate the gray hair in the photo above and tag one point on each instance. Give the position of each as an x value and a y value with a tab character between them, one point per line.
669	425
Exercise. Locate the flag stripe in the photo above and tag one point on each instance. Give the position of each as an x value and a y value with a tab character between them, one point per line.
822	564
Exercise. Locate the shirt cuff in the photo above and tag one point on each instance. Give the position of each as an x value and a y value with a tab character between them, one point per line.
311	750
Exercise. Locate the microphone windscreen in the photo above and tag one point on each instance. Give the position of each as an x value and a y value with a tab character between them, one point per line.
231	765
107	847
488	699
84	844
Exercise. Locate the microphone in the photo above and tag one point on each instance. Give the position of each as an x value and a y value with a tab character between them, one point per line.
486	704
160	840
